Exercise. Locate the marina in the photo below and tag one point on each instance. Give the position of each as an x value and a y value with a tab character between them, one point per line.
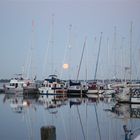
69	70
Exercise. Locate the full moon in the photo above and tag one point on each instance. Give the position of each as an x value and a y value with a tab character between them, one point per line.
65	66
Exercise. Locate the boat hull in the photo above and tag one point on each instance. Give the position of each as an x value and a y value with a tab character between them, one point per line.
12	90
76	92
46	90
129	95
90	91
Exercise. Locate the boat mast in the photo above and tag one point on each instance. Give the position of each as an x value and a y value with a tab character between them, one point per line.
99	130
122	58
30	60
67	54
52	45
96	67
69	47
49	59
108	57
81	59
115	49
131	27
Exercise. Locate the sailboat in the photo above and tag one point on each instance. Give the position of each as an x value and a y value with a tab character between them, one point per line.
131	91
95	89
22	83
77	87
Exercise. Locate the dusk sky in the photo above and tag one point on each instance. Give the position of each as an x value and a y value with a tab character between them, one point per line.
88	19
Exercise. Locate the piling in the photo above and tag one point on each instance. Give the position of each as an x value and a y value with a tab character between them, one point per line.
48	133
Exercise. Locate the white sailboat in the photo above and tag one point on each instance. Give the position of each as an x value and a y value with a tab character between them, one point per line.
22	83
130	91
95	89
77	87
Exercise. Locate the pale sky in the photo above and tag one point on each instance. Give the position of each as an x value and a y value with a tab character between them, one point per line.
88	19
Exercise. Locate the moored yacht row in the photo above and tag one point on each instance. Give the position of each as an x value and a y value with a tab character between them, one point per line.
123	91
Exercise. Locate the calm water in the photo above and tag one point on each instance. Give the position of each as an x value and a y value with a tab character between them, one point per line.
21	118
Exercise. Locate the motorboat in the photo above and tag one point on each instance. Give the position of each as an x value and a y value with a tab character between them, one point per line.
15	86
20	85
76	88
51	85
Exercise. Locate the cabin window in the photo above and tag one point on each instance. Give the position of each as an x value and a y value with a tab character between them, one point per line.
16	85
11	84
28	83
46	85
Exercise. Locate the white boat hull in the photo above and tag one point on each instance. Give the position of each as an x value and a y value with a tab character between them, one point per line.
131	96
135	100
94	95
90	91
12	90
46	90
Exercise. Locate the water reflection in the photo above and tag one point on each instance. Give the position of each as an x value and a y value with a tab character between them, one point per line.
51	101
128	112
18	103
71	118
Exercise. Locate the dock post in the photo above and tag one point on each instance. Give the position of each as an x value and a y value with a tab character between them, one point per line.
48	133
81	91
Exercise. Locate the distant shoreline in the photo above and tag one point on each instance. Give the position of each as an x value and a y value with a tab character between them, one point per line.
98	80
4	80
